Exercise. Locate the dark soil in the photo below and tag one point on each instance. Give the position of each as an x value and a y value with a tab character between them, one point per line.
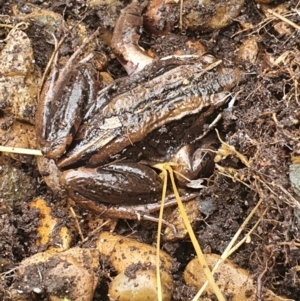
263	125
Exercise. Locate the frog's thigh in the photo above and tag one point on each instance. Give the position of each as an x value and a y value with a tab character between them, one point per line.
120	183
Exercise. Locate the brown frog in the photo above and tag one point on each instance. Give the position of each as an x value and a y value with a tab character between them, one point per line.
79	125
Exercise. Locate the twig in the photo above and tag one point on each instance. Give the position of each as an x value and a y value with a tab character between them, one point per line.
259	282
92	233
222	171
282	18
77	223
211	125
49	64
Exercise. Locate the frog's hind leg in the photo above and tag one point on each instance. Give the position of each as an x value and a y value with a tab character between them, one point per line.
61	105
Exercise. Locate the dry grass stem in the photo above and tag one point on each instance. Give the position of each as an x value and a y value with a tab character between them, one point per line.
284	19
166	168
159	229
230	248
73	214
22	151
180	15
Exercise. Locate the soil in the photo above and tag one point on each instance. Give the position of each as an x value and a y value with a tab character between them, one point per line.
262	125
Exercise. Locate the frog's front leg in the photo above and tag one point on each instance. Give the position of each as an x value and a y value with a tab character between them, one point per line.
193	163
120	183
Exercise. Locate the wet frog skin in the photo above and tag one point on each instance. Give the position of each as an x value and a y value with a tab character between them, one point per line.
124	118
87	130
101	124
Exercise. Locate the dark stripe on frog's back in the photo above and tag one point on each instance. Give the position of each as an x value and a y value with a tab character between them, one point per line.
122	85
167	91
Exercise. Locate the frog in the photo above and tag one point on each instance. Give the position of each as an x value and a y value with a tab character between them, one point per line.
87	129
